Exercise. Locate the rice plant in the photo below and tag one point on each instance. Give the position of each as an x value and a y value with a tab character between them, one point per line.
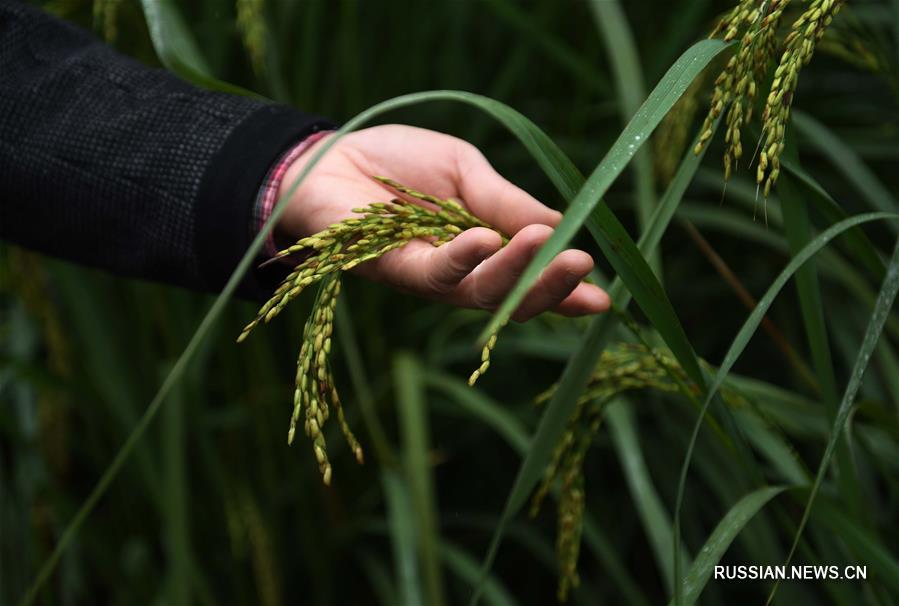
742	412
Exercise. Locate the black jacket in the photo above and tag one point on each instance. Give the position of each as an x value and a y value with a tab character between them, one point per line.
109	163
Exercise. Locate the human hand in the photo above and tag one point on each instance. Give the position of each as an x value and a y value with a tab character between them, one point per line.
473	270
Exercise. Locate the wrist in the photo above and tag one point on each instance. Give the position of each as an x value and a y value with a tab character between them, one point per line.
277	184
299	218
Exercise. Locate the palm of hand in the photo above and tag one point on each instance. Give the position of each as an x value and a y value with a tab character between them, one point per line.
470	271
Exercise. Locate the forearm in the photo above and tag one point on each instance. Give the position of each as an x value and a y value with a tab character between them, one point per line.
112	164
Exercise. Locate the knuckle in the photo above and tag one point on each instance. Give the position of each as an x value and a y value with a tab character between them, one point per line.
484	300
436	281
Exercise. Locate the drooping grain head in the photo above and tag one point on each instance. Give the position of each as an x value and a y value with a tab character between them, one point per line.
756	24
622	367
383	227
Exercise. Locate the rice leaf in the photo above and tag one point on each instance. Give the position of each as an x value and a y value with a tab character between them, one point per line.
413	420
868	548
856	240
846	161
769	442
466	568
485	410
400	516
621	49
482	408
616	244
349	347
582	70
745	334
656	521
734	521
581	364
882	309
798	229
177	497
177	49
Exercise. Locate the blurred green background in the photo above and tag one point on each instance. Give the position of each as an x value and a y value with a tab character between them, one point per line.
213	507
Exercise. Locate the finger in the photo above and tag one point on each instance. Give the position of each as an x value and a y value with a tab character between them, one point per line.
556	283
421	268
453	261
586	299
489	284
494	199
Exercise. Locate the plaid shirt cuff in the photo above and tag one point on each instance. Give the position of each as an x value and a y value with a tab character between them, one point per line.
268	194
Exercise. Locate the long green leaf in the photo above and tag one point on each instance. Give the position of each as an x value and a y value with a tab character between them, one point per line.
621	49
896	36
176	515
832	264
745	334
413	417
798	230
403	536
533	32
466	568
896	31
776	449
656	520
721	538
349	347
481	408
870	550
484	410
882	308
846	161
856	240
177	48
581	364
615	243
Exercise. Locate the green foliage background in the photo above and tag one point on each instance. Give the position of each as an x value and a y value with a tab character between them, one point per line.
212	507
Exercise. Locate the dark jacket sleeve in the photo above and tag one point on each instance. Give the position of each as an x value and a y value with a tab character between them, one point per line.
112	164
